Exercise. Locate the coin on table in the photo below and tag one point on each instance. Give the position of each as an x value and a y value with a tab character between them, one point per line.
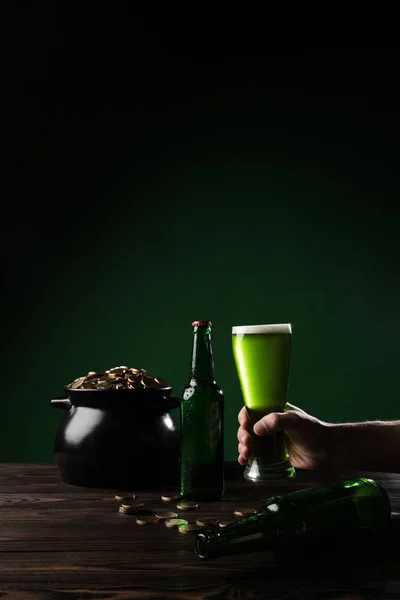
125	496
187	506
189	528
166	514
128	510
207	522
172	497
225	523
132	505
175	522
147	520
244	512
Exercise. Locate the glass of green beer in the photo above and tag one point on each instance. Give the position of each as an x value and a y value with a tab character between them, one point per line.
262	357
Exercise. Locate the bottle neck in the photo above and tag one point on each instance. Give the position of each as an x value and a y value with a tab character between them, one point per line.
202	368
246	535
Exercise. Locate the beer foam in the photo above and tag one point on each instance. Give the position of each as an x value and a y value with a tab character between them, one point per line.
276	328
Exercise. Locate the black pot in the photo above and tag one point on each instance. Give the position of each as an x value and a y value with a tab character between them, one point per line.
118	439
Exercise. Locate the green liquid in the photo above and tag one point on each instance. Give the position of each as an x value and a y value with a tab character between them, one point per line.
262	363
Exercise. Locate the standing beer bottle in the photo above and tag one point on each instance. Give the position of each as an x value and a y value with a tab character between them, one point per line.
202	423
339	516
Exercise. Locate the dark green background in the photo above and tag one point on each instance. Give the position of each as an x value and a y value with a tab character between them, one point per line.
147	189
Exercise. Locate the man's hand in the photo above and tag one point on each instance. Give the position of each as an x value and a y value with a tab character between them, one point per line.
306	436
311	443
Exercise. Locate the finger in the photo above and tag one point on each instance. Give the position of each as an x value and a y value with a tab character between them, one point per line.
276	422
242	448
240	433
244	451
241	460
243	436
243	418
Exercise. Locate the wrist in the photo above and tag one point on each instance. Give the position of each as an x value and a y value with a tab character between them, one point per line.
337	451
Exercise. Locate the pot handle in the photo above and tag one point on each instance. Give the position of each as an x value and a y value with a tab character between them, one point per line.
61	402
175	402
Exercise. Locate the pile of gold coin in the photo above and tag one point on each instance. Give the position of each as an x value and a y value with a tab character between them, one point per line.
128	505
118	378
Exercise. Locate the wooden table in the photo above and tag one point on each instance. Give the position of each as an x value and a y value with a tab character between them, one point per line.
67	542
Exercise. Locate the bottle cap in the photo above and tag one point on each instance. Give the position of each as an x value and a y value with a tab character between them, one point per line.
202	323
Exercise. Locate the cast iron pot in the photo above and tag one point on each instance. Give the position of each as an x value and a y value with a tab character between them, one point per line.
118	439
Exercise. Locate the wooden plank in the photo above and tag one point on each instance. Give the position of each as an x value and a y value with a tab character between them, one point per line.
58	540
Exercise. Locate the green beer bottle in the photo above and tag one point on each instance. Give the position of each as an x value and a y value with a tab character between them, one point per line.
202	423
305	520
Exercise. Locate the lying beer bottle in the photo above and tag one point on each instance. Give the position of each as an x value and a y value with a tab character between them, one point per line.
202	423
308	519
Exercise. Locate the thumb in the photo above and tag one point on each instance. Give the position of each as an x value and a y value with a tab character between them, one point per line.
276	421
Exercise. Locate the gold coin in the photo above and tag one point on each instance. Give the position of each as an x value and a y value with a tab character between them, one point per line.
147	520
175	522
207	522
127	510
166	515
125	496
244	512
87	385
187	505
77	383
225	523
132	505
149	382
189	528
173	497
104	385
